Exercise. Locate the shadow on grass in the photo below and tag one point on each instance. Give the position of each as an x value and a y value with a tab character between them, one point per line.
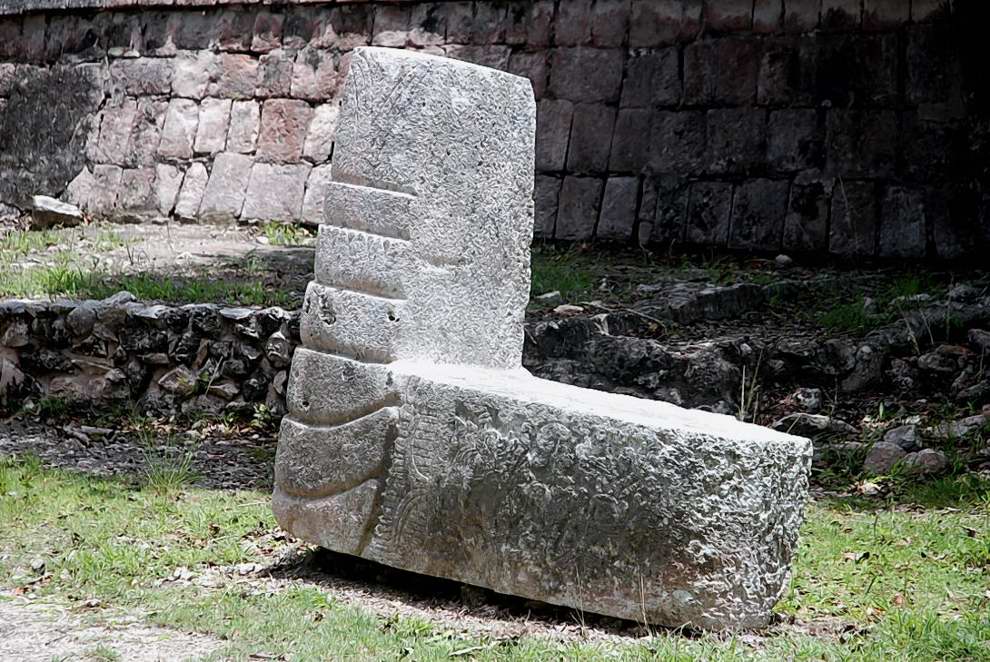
341	572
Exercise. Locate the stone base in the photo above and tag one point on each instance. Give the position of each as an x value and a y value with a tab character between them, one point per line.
601	502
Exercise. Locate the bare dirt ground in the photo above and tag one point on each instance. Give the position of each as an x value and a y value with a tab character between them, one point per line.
32	631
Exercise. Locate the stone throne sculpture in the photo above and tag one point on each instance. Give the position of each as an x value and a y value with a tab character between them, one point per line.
415	437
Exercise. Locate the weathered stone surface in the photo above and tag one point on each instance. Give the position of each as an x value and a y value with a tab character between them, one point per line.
854	219
618	209
236	78
591	138
192	72
758	211
223	196
652	78
709	213
317	188
275	192
903	225
554	118
283	130
882	457
322	129
168	181
570	70
179	133
245	119
48	212
476	470
214	120
314	75
191	194
580	199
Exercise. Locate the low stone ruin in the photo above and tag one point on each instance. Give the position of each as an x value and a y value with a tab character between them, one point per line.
416	439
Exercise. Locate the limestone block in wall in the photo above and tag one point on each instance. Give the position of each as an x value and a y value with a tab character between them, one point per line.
591	138
191	193
193	71
652	78
843	14
275	74
275	192
145	76
854	219
569	77
630	149
795	140
238	76
618	216
179	130
758	211
671	193
580	200
223	197
321	133
885	14
245	123
168	181
767	16
547	196
284	123
709	213
735	139
660	23
903	223
317	188
801	15
678	142
116	127
728	15
554	118
211	131
806	223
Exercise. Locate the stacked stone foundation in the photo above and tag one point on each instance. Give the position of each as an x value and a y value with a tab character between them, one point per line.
847	127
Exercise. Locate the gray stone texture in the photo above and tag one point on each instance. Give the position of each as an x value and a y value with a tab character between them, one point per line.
223	196
580	198
618	215
591	138
275	192
284	123
416	439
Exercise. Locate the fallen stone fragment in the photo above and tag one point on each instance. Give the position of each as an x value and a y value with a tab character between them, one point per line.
48	213
955	430
550	298
809	399
813	426
926	462
416	439
784	261
180	381
980	339
882	458
568	309
905	436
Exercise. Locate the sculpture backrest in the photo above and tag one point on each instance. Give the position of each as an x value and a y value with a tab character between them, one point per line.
429	218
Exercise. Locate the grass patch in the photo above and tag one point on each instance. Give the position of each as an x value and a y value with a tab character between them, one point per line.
18	243
897	578
64	279
572	275
849	318
281	234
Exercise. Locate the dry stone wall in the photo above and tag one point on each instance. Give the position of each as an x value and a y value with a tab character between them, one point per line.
854	127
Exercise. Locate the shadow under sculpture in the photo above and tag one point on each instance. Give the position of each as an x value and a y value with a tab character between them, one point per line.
415	437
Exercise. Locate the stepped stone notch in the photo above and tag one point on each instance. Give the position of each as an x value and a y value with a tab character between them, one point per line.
415	437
